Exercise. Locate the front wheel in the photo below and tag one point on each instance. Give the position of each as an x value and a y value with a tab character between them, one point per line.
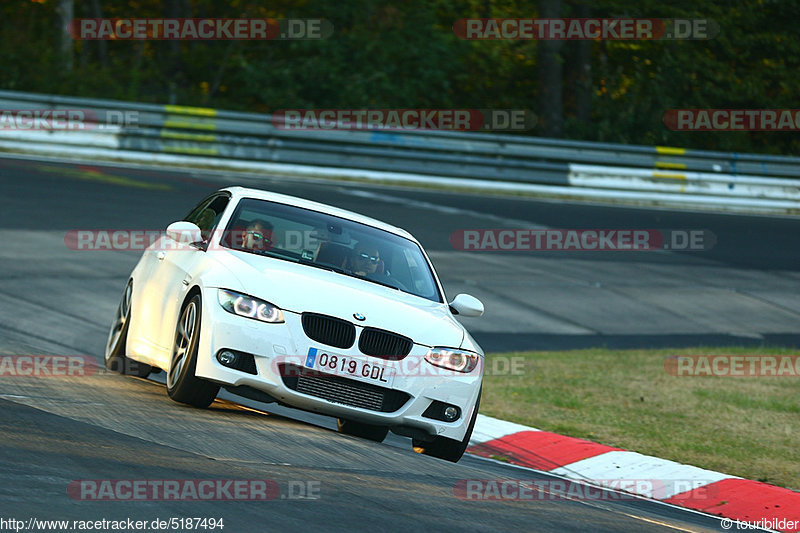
182	384
116	359
364	431
448	449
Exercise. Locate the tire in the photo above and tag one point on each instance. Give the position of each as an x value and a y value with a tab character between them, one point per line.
116	359
449	449
361	430
182	384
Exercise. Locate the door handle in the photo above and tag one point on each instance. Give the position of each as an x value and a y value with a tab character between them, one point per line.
161	255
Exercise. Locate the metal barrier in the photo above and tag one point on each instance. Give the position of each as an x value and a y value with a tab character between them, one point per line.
191	131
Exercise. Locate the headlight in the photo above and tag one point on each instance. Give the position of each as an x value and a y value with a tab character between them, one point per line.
453	359
247	306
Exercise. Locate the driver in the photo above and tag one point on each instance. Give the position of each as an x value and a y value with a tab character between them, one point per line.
365	259
257	235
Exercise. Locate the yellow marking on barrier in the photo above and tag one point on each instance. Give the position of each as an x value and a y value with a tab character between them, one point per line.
181	124
668	150
97	175
193	150
189	110
672	166
669	175
166	134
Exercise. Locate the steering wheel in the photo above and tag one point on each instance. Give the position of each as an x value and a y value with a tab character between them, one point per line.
386	278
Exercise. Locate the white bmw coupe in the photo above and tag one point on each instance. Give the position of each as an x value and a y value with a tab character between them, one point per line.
281	299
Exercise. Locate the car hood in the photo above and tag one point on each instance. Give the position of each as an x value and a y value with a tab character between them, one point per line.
300	288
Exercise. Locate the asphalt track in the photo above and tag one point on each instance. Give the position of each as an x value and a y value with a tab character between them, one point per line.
58	301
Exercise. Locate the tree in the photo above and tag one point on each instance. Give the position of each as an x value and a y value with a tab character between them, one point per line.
551	109
65	12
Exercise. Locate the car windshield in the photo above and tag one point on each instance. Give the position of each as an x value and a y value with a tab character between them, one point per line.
324	241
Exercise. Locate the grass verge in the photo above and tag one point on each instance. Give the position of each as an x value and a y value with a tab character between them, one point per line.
744	426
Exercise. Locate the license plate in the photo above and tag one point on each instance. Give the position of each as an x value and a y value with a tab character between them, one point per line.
349	366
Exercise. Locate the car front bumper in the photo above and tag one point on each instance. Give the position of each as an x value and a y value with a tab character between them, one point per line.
273	345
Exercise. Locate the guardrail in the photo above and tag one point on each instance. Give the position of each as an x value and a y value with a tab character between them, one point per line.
229	135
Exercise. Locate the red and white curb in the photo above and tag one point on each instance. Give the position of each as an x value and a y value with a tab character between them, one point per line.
678	484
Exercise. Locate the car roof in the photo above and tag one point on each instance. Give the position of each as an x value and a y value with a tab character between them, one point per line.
238	192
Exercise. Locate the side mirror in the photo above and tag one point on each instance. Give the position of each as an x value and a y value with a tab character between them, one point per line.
184	232
466	305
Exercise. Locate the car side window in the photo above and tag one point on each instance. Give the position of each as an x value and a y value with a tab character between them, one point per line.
192	216
207	214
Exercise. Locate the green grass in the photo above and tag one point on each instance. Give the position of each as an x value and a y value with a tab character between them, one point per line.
745	426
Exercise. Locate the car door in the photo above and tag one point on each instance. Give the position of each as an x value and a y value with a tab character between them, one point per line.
149	291
175	263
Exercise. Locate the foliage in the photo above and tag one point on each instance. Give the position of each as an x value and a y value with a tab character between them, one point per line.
405	54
